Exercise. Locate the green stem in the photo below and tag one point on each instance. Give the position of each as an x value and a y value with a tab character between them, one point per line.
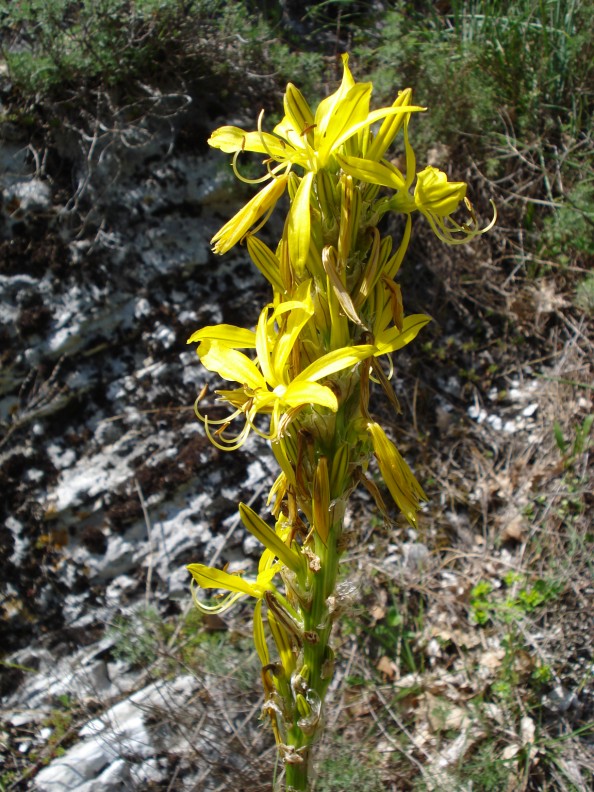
297	775
316	657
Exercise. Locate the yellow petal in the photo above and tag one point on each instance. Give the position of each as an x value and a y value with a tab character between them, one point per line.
300	224
367	170
326	106
209	578
372	117
230	364
392	339
435	194
297	110
235	337
399	478
345	118
231	139
389	128
240	224
299	393
264	345
260	635
266	262
335	361
301	311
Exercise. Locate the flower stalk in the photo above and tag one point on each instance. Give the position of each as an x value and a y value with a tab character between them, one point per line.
301	378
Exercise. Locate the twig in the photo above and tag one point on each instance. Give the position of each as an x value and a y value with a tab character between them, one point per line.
147	520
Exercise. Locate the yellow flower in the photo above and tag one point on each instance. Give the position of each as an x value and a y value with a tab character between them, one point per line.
311	141
277	554
437	199
209	578
267	386
435	195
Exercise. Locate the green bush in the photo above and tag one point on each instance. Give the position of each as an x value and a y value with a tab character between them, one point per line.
61	46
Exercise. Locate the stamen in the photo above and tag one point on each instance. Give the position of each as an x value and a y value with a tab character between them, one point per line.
221	607
205	419
245	179
262	140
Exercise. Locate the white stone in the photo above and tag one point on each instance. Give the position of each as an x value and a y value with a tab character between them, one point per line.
495	421
33	195
142	308
113	779
82	762
123	727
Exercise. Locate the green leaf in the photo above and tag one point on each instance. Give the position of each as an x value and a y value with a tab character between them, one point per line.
559	439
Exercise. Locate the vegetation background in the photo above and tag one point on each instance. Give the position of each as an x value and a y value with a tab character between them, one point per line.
471	666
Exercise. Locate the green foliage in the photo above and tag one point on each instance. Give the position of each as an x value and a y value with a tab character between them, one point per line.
66	45
66	41
581	439
486	770
486	606
481	604
584	294
484	57
345	769
569	231
138	637
144	639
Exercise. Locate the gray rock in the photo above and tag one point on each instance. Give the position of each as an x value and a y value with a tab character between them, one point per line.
82	762
32	195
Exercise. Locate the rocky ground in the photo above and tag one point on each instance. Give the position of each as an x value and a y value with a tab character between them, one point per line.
110	487
109	680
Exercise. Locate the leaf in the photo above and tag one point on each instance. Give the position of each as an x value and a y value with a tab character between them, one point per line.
387	667
559	439
342	295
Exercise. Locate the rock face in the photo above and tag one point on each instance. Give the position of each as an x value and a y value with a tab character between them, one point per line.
109	485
